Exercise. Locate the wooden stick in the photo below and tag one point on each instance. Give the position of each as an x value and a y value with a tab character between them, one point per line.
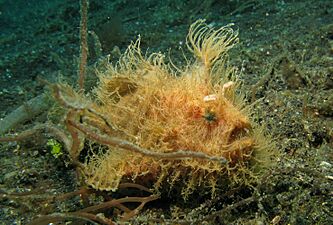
83	43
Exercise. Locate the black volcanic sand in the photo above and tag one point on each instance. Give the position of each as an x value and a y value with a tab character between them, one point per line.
285	57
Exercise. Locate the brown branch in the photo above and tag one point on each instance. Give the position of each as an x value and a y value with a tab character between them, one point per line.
128	215
133	185
113	141
83	43
228	208
91	217
86	215
115	202
59	217
49	128
80	192
77	139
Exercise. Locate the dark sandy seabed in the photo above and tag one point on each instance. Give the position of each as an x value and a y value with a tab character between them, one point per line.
286	58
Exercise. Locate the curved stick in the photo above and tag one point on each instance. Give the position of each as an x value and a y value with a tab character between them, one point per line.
113	141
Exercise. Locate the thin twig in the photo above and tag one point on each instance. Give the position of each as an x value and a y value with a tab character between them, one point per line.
83	43
59	217
228	208
49	128
113	141
133	185
115	202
